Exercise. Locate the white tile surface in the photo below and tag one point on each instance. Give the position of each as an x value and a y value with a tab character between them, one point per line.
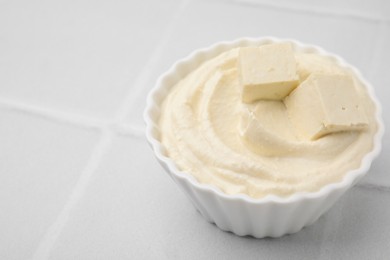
76	55
40	163
198	27
124	208
133	209
75	62
354	231
380	78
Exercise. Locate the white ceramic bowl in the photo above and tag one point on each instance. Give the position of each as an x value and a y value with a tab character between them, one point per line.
270	216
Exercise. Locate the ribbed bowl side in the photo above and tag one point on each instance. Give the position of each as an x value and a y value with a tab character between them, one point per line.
257	220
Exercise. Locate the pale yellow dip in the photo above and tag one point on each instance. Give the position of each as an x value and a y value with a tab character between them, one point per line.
203	118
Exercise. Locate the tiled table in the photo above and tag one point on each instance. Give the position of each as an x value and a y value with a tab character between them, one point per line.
77	179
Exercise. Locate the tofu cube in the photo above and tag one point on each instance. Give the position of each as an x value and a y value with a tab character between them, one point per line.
267	72
324	104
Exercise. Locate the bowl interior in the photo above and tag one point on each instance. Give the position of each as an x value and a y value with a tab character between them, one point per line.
183	67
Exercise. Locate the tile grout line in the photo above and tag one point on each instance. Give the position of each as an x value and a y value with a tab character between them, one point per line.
308	10
75	120
374	187
53	115
143	77
46	244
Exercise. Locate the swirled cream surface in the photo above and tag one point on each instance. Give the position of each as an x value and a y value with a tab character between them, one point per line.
254	148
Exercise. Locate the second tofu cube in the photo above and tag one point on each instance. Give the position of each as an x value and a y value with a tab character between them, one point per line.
324	104
268	72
